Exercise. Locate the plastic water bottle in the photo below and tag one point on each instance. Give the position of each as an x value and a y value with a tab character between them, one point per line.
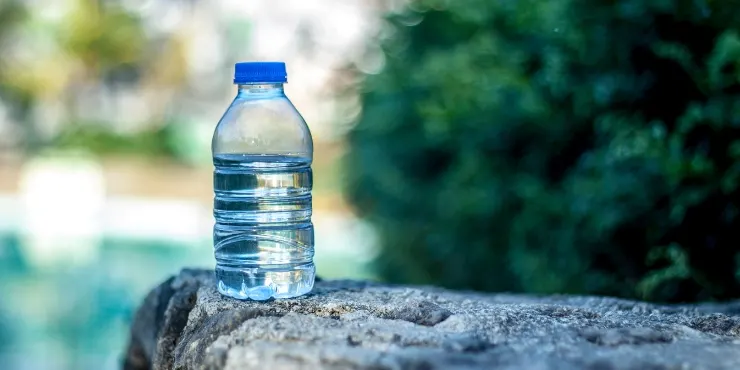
262	151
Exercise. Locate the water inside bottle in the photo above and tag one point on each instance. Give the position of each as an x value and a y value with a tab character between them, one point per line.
263	237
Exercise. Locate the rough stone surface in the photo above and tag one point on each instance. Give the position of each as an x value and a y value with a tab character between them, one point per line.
185	324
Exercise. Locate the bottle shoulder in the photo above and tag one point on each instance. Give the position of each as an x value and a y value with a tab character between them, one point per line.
262	125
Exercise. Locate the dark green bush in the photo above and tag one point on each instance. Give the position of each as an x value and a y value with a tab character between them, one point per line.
573	146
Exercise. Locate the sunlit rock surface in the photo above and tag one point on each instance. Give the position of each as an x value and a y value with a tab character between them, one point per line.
185	324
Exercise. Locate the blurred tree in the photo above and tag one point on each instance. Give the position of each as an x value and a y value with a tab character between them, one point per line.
572	146
12	16
42	58
56	60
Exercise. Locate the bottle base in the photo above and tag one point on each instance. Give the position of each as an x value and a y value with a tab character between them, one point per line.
265	282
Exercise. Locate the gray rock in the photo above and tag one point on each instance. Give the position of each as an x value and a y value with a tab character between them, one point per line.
185	324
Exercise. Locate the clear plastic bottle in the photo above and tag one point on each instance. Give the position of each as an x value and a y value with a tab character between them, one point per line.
262	151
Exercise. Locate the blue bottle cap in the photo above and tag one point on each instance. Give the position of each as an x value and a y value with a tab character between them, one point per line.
251	72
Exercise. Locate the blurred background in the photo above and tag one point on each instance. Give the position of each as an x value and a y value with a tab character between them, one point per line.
561	146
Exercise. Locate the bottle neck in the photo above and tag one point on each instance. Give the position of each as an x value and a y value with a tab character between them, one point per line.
260	90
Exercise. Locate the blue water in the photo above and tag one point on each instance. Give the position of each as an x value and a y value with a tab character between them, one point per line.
263	238
77	317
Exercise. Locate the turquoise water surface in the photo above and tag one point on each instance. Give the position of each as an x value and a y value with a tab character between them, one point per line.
55	317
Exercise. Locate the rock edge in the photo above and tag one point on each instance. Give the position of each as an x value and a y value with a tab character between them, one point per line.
184	323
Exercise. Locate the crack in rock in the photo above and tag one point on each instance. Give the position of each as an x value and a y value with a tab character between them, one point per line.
622	336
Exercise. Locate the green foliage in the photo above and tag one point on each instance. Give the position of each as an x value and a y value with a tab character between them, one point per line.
45	61
96	138
573	146
103	35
